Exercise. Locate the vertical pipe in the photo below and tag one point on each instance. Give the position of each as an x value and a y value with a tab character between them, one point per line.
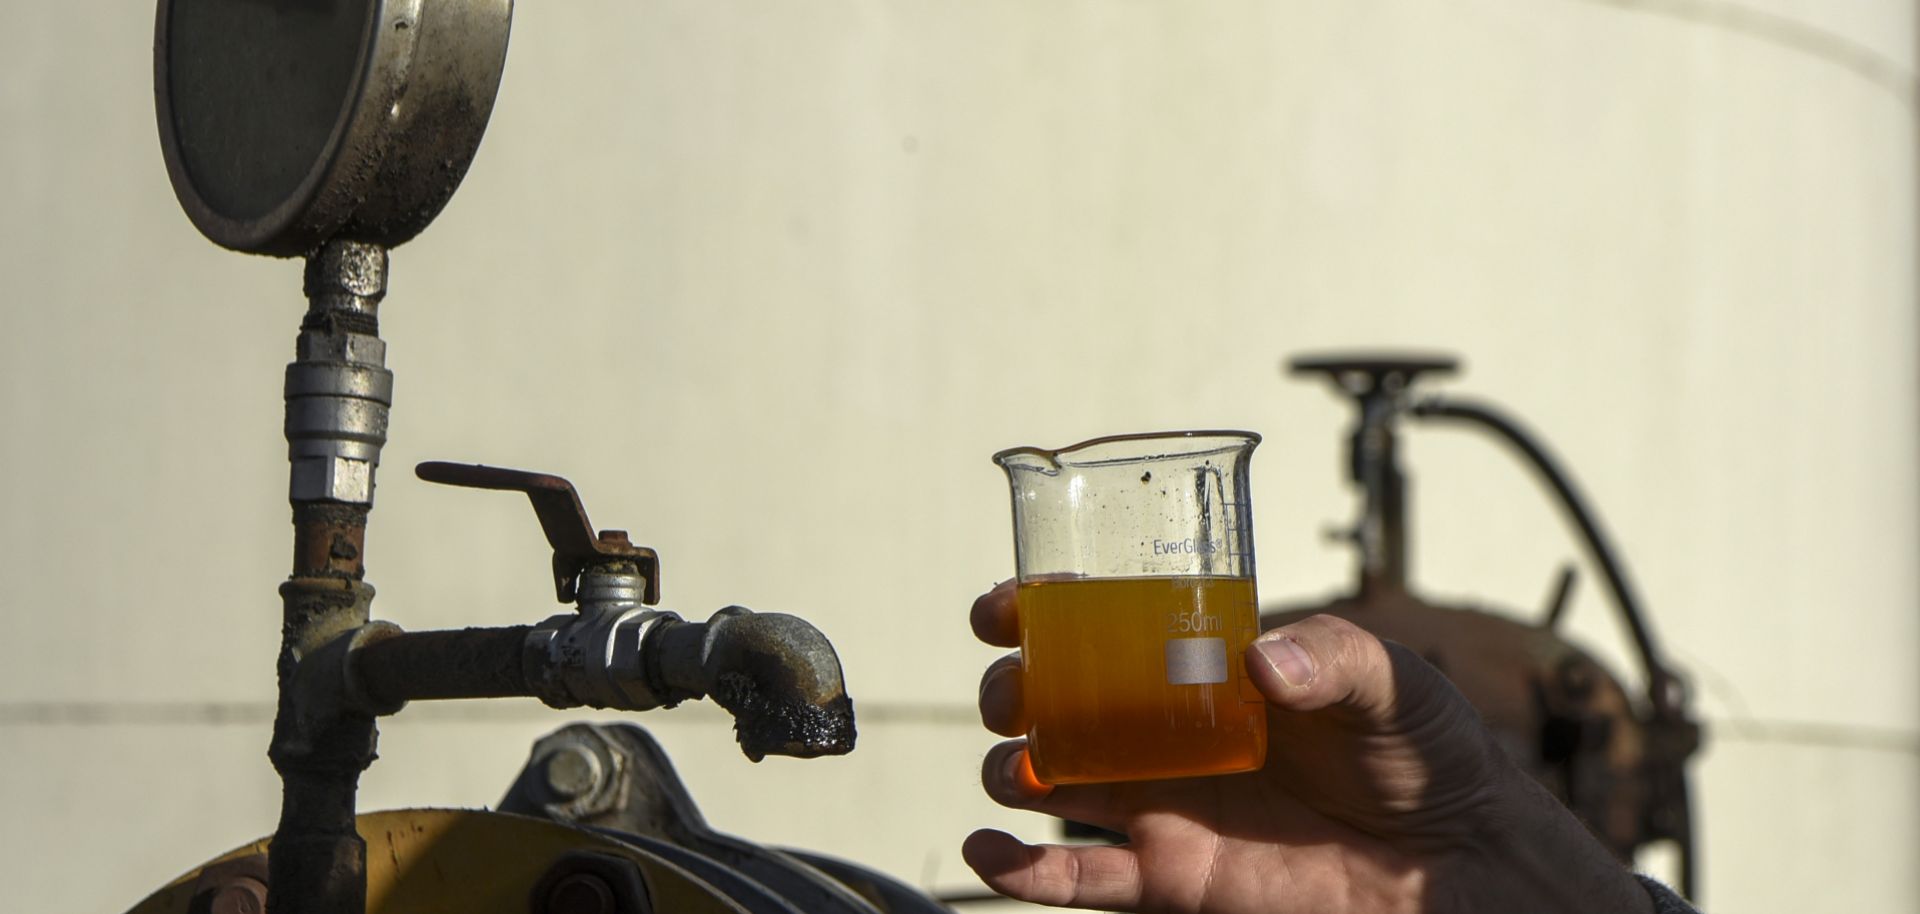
1376	467
338	391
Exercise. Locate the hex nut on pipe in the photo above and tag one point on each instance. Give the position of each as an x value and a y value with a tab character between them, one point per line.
332	479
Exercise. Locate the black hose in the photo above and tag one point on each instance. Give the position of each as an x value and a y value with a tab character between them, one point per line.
1675	737
1576	508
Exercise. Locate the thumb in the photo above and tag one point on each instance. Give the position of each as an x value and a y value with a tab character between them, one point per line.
1326	661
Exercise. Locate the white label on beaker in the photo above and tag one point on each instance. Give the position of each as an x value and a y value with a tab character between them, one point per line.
1196	661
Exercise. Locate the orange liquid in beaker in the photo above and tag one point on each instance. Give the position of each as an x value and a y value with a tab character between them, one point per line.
1137	678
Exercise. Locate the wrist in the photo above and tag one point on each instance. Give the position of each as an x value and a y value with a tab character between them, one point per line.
1534	855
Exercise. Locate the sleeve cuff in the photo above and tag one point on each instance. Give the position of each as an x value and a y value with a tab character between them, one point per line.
1665	900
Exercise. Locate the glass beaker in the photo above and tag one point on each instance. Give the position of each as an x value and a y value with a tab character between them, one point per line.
1136	603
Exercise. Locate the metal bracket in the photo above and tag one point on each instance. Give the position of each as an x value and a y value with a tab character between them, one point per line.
562	517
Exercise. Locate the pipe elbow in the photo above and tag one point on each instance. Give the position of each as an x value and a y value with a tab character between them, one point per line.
776	674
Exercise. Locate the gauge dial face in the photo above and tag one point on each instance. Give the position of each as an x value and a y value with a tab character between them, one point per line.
257	91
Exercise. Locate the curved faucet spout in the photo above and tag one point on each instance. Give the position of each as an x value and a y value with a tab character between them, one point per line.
776	674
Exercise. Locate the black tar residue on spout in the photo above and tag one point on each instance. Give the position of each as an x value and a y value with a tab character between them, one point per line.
776	674
768	725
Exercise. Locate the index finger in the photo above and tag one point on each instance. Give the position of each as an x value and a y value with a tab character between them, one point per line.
995	620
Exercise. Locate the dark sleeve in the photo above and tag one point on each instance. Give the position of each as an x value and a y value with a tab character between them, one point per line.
1665	900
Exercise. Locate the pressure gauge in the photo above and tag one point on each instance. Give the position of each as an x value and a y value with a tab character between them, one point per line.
289	122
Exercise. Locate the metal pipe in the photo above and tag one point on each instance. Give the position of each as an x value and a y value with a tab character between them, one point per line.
776	674
337	393
1376	467
426	666
1379	384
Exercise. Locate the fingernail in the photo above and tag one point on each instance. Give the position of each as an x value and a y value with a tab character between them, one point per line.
1288	659
1014	767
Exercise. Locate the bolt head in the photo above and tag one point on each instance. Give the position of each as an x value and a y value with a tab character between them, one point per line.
572	772
581	893
240	896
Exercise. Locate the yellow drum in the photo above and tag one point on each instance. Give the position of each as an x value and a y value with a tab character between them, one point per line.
450	861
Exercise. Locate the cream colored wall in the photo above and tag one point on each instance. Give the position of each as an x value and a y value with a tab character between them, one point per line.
769	281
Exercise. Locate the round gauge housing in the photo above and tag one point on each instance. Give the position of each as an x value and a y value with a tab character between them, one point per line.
289	122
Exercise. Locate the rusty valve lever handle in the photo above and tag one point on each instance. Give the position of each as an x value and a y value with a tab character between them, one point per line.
562	517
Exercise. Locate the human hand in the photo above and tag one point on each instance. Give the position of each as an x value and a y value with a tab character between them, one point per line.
1382	792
